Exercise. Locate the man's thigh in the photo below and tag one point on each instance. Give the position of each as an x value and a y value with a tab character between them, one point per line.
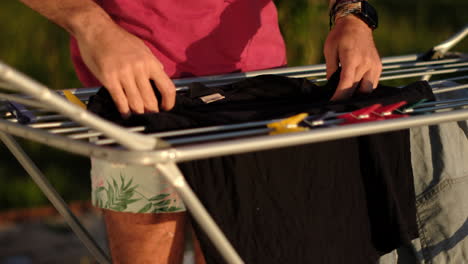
145	218
146	238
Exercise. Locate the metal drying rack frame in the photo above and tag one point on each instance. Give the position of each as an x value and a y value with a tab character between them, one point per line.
61	124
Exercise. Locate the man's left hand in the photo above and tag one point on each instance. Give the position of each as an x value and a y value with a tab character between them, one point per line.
351	44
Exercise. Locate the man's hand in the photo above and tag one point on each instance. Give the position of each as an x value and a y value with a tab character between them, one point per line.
350	43
119	60
125	65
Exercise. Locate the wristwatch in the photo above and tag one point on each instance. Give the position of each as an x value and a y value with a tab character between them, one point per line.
361	9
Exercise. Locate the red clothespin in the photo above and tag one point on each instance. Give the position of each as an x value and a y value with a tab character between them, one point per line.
386	112
361	115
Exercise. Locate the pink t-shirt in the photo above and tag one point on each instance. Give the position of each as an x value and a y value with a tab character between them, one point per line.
199	37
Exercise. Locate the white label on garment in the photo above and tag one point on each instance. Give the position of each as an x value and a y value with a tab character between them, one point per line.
212	98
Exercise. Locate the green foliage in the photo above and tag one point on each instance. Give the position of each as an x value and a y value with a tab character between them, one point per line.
39	48
35	46
304	25
118	196
68	173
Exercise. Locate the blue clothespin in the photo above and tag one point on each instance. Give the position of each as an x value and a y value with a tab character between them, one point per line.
407	109
321	120
22	114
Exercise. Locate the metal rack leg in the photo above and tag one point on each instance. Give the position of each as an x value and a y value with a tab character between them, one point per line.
172	173
54	198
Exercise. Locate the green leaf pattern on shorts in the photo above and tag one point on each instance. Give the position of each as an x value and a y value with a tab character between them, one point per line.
118	195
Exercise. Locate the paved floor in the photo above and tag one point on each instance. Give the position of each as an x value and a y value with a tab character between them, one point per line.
47	241
42	239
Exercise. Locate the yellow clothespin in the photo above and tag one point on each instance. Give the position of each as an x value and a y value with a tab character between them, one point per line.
288	125
73	99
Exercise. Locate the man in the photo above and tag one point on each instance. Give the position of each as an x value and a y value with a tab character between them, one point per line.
122	44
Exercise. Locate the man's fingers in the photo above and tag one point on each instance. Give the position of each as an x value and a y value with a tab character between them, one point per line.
150	101
376	72
370	80
166	87
134	97
367	83
375	79
119	97
347	84
360	73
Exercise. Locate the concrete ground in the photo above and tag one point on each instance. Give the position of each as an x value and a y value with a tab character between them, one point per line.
40	236
48	240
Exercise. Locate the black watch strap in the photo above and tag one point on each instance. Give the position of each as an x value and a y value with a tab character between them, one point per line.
359	8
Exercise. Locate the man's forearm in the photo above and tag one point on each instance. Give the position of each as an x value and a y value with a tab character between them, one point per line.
81	17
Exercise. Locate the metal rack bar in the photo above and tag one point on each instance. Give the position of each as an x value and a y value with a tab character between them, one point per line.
97	134
21	100
440	50
442	102
422	63
301	71
445	46
236	146
282	71
225	135
440	107
87	135
459	78
57	127
68	130
426	68
54	124
449	89
418	74
264	131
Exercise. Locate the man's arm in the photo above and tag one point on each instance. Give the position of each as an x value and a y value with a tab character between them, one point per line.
119	60
351	44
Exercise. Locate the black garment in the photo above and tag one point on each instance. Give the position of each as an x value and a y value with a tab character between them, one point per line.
387	176
303	204
343	201
259	98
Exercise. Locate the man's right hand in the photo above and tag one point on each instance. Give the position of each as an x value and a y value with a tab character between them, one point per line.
120	61
125	66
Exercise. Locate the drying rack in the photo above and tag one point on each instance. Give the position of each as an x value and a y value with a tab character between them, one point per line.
45	116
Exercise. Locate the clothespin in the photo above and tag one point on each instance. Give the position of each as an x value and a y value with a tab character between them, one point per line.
287	125
22	114
386	112
73	99
321	120
361	115
410	108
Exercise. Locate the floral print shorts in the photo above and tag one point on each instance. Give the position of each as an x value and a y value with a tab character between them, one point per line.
132	188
